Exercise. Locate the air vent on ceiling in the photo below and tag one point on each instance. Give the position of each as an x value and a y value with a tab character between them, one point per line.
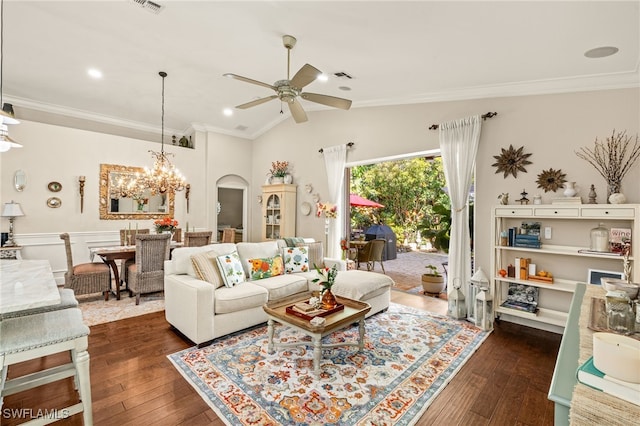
342	74
152	7
241	128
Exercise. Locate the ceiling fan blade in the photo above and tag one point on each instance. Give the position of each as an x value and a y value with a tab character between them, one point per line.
297	112
327	100
304	76
248	80
256	102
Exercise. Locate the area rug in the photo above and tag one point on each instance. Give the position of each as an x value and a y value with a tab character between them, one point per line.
95	310
409	357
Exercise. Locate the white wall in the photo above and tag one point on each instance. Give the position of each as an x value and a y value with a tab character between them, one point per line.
551	127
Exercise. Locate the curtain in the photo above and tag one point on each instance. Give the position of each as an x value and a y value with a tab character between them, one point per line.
335	159
459	145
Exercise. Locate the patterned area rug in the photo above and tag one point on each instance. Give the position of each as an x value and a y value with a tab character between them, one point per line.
409	357
96	311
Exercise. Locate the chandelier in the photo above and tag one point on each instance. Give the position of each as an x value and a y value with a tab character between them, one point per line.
163	177
125	187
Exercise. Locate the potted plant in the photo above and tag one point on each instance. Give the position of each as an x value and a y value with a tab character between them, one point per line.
433	281
278	171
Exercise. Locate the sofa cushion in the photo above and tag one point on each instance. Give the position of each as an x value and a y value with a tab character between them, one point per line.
316	255
206	268
283	285
296	259
248	251
358	285
239	298
231	269
267	267
181	257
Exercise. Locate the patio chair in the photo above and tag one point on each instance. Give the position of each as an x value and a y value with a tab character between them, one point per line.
371	253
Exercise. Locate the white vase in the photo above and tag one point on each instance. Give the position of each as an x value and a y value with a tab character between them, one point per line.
570	190
276	179
288	179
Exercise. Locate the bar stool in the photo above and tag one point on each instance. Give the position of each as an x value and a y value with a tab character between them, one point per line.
67	300
34	336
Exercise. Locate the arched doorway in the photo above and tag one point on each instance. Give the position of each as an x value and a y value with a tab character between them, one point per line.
232	197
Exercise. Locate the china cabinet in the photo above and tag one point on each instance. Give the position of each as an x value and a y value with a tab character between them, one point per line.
565	252
278	211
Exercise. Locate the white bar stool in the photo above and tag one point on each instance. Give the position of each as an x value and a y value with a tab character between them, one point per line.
29	337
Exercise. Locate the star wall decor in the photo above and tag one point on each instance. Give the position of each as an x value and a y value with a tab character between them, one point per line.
551	180
511	160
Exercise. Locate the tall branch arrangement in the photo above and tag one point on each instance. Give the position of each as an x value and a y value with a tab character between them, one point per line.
613	158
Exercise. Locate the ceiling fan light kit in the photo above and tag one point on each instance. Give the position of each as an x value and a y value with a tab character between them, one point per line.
290	89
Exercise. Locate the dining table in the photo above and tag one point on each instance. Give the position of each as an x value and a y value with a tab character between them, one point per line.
110	254
26	284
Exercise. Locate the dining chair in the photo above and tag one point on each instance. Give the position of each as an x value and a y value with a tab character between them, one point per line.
371	253
197	238
228	235
177	235
86	278
147	274
128	237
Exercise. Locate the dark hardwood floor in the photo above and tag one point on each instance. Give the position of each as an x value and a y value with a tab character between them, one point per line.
133	383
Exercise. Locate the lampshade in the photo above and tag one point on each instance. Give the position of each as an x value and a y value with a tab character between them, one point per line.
6	143
7	115
12	209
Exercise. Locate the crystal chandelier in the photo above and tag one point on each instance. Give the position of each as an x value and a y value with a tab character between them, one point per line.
163	177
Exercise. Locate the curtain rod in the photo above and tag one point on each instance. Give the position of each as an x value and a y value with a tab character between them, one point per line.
484	117
350	144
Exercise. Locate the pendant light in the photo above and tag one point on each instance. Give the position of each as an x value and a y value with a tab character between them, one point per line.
6	143
163	177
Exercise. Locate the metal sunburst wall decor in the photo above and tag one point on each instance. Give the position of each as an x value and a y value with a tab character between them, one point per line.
511	160
551	180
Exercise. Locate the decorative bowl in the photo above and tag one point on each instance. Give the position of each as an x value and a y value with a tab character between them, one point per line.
614	284
617	356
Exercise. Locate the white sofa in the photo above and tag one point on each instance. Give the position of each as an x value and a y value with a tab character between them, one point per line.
203	311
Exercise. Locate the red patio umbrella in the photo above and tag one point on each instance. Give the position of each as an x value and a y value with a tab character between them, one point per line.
358	201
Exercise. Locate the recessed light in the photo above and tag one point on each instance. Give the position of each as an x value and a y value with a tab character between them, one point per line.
228	112
323	77
345	88
601	52
94	73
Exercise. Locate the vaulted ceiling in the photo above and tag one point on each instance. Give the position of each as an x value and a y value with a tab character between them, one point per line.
395	53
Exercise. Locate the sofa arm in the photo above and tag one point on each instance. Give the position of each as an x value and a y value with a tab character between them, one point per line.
341	265
189	306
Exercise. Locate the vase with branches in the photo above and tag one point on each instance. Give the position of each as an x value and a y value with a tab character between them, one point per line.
612	158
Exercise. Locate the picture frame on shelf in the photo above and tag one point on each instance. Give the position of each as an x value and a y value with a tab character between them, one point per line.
595	275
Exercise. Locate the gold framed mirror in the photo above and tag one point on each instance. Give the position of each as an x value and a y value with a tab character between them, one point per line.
120	199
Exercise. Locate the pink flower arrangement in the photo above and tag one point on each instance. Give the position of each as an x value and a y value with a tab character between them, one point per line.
328	209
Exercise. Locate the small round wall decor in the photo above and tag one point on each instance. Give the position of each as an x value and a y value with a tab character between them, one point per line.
511	160
54	186
551	180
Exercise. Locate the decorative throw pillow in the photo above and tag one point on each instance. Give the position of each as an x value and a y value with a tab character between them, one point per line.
316	255
266	267
231	269
293	241
206	268
296	259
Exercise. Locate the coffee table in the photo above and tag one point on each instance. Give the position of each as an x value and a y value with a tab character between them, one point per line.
354	311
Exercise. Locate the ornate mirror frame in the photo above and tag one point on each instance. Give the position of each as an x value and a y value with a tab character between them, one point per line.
104	199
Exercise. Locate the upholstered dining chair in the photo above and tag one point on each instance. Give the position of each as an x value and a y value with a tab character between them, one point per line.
371	253
147	274
197	238
86	278
228	235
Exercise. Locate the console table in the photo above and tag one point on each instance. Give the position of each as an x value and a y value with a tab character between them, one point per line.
10	252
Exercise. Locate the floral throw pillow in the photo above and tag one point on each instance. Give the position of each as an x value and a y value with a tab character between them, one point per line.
296	259
266	267
231	269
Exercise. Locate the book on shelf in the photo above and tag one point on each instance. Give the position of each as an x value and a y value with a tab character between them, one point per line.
589	375
520	306
618	238
522	267
567	200
604	253
530	228
522	296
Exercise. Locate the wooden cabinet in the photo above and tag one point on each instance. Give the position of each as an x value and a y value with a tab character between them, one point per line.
570	228
278	211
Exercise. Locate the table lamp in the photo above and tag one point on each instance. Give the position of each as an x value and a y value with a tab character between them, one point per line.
11	210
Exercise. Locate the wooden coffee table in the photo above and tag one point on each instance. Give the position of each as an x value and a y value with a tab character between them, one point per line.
354	311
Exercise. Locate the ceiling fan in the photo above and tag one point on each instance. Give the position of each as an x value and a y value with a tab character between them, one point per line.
290	89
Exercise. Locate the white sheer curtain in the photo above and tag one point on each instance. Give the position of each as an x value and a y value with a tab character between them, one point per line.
459	145
335	158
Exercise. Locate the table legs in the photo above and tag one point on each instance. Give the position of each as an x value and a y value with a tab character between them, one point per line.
270	335
361	330
317	354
